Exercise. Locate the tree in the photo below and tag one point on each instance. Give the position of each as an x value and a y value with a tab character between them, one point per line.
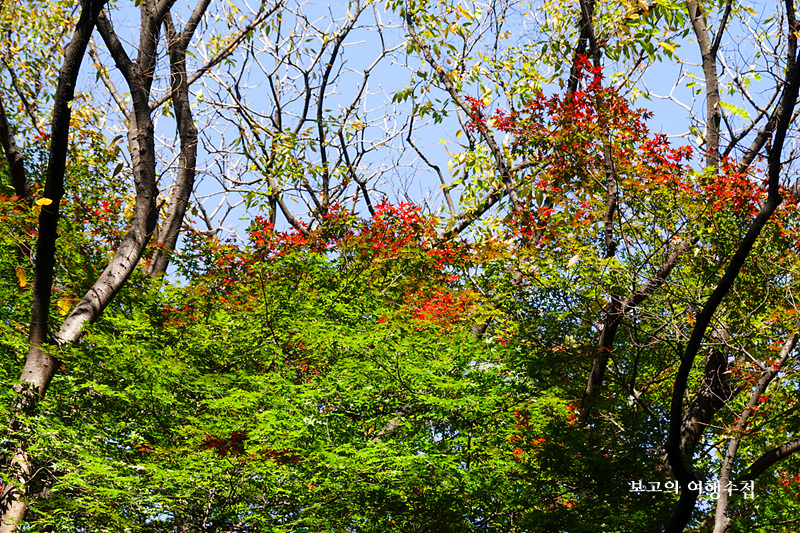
593	306
714	392
41	366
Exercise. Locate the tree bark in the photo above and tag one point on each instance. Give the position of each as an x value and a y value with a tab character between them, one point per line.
708	52
714	394
680	463
141	139
16	164
184	183
40	366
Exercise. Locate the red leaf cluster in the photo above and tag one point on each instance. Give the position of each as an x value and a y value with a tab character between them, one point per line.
224	446
282	457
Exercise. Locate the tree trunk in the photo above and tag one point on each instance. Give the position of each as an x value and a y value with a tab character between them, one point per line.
40	366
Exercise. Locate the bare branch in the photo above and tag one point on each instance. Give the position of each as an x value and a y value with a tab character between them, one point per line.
112	89
224	52
444	77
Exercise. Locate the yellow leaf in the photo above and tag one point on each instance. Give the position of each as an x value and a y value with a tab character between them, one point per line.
63	307
690	316
22	277
44	201
669	47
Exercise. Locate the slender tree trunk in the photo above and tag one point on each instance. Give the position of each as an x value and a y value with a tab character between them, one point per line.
40	366
184	182
708	51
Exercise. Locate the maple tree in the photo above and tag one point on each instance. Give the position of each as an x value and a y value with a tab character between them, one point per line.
594	309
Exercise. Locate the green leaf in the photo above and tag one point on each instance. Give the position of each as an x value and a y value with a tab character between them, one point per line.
734	109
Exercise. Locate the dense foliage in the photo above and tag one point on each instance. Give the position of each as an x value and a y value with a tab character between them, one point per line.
392	371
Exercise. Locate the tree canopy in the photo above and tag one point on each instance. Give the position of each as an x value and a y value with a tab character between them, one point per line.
401	266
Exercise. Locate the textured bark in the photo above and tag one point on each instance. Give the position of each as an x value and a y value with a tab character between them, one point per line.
714	393
40	367
675	455
16	164
617	308
16	167
614	314
141	140
184	183
586	42
708	51
769	458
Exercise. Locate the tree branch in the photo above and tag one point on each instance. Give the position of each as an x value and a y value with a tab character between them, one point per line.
16	163
441	73
112	89
225	52
617	311
684	475
184	182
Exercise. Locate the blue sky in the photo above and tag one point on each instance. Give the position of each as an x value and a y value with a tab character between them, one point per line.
403	174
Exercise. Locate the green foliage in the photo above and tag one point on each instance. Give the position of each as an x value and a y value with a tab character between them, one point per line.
366	374
321	383
334	380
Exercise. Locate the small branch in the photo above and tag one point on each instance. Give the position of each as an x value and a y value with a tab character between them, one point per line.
112	89
184	182
224	53
721	520
30	109
445	187
500	163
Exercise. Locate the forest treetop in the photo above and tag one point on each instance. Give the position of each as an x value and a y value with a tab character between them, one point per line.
479	290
